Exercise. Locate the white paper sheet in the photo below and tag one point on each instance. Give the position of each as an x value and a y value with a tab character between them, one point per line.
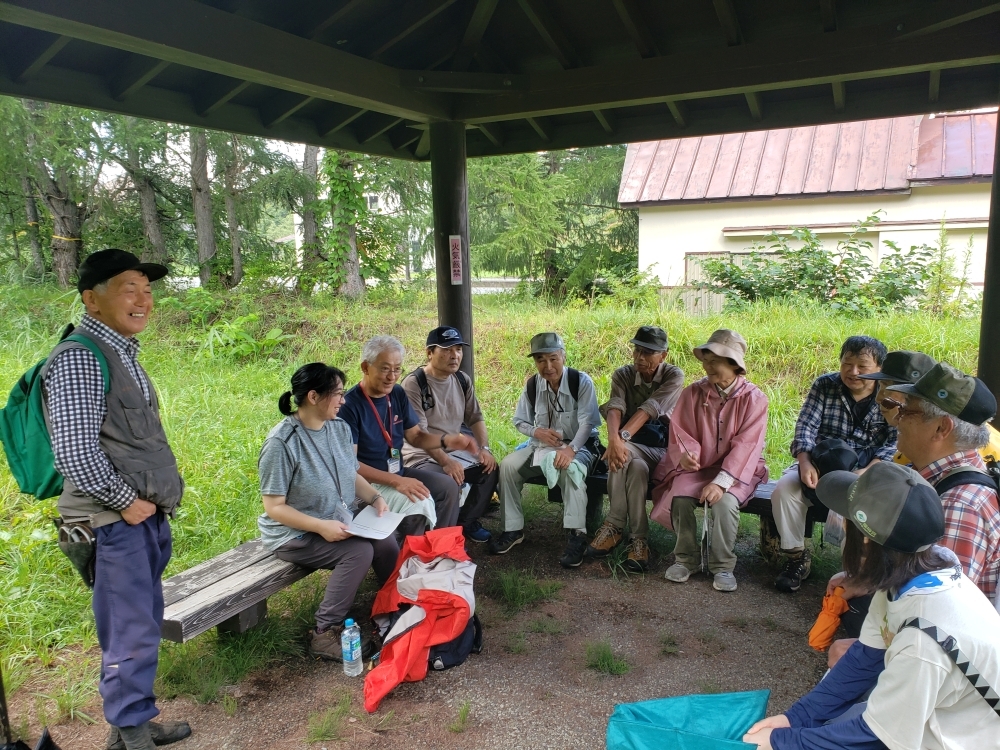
369	525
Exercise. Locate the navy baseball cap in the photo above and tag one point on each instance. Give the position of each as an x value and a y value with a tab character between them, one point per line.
445	336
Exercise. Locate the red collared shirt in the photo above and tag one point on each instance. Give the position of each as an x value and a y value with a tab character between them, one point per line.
971	521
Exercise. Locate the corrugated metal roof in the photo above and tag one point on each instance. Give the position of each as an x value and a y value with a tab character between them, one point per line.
867	156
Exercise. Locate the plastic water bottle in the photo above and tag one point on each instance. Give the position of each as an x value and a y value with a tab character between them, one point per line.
350	646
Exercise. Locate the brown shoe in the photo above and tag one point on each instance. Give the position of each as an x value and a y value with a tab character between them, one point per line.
326	645
605	540
638	556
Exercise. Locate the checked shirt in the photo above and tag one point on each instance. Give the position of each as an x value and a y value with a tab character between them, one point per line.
971	521
74	394
826	415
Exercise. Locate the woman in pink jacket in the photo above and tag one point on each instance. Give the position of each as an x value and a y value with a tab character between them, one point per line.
713	457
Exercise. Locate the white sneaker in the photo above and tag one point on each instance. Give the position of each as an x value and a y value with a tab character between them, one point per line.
724	581
677	573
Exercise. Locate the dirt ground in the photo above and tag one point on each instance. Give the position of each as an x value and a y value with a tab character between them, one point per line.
531	688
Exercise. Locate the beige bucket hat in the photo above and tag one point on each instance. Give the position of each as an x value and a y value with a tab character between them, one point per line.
724	343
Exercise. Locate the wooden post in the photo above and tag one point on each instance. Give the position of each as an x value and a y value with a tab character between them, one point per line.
451	231
989	331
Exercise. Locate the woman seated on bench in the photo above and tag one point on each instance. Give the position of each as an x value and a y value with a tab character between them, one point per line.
311	491
713	458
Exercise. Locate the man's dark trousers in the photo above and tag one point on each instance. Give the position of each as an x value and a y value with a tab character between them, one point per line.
128	609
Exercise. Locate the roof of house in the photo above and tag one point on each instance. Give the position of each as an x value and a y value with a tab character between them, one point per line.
870	156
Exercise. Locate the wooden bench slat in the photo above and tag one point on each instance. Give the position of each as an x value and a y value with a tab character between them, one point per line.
204	574
221	600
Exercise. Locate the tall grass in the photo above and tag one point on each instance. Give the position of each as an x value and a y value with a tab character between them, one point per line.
217	411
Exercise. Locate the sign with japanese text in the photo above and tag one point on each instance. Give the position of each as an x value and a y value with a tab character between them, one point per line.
455	247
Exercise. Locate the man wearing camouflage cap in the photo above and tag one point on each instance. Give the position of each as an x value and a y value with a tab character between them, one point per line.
942	424
557	410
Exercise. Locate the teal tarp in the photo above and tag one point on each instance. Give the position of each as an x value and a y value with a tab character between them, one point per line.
687	722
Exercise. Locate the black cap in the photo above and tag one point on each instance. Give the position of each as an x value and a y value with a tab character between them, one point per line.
106	264
902	367
832	454
890	503
445	336
652	338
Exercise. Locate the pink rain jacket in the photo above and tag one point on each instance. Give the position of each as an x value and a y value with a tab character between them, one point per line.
722	434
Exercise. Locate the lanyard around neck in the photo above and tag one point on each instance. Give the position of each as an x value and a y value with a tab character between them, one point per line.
378	418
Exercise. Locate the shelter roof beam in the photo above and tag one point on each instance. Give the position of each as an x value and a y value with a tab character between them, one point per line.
36	57
726	12
637	27
215	93
544	132
828	11
137	71
282	106
414	25
199	36
550	31
472	39
807	61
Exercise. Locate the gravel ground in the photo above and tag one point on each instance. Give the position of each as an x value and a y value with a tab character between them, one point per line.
533	690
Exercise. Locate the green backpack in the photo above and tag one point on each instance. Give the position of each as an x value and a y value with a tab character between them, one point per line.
24	434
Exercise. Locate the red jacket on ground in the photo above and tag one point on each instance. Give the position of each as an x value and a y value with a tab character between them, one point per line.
405	658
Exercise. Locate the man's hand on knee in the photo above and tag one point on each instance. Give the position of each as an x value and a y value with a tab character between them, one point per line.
138	511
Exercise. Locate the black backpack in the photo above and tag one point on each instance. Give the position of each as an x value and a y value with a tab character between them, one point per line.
427	399
969	476
457	650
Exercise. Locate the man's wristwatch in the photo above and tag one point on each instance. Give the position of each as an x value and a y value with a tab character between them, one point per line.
443	447
487	449
625	435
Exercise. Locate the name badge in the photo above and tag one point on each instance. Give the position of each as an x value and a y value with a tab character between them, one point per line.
394	461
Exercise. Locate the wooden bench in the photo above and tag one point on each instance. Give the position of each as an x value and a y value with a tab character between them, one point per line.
229	591
759	505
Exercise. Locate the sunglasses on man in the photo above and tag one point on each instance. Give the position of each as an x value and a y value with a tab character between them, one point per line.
889	404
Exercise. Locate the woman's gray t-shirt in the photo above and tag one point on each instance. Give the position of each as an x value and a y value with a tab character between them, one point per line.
304	471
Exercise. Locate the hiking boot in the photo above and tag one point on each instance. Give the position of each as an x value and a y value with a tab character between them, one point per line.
326	645
575	548
477	533
724	581
677	573
503	543
796	570
162	733
605	540
137	738
638	556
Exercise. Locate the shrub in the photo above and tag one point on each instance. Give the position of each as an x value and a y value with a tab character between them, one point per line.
845	279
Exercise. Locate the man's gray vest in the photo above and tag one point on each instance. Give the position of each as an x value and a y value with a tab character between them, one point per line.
133	439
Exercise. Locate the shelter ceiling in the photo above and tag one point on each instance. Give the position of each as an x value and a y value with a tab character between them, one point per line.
525	75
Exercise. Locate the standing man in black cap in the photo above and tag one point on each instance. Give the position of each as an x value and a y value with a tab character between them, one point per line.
444	400
942	424
643	396
929	651
121	481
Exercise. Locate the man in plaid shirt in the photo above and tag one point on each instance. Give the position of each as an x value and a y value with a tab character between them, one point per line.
121	480
840	406
942	424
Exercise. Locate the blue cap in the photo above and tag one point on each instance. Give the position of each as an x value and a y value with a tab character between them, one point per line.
348	623
445	336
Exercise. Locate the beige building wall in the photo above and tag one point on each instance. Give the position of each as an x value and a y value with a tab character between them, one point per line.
668	233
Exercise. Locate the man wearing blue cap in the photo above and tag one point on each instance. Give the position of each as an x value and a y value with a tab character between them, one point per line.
444	400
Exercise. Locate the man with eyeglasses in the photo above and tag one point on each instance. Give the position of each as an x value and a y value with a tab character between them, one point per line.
381	418
558	412
643	396
942	422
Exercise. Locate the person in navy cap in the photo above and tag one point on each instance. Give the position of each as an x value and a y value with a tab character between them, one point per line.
444	400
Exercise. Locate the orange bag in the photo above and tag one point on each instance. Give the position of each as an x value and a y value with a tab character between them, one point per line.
825	627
